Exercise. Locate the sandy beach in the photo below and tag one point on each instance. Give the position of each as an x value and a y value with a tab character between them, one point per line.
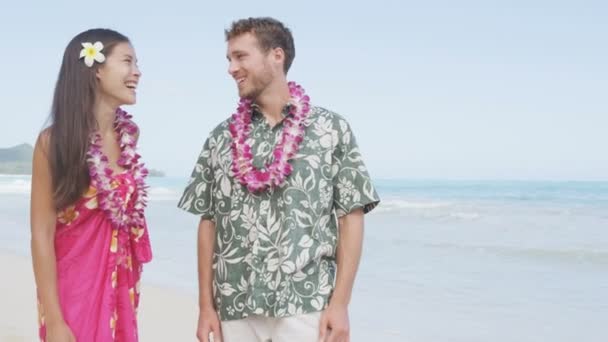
164	315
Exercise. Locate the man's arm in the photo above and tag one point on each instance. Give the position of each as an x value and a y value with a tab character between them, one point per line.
350	243
206	242
334	321
208	321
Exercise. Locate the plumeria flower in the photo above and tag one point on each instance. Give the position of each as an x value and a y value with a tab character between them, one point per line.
92	53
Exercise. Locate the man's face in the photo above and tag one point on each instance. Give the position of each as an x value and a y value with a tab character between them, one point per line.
249	66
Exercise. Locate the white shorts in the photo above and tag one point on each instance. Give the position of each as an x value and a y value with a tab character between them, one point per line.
299	328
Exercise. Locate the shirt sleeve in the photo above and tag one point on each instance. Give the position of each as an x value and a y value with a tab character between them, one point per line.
198	195
352	185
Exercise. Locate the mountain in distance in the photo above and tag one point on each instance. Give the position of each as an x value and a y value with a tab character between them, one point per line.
17	160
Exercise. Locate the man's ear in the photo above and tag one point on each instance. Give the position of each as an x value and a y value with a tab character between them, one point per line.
278	55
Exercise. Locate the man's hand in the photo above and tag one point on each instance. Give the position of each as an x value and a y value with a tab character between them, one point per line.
334	326
208	322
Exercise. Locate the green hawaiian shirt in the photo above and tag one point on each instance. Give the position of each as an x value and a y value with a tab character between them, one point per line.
275	251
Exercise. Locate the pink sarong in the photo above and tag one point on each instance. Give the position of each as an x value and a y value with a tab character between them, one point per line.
99	268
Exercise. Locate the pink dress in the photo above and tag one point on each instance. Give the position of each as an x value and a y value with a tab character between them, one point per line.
99	268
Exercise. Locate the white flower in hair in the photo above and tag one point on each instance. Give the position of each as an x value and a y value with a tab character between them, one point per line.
92	53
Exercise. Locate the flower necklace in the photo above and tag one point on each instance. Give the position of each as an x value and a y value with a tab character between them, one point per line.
121	214
272	174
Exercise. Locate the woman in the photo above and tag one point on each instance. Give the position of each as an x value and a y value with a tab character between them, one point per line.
89	235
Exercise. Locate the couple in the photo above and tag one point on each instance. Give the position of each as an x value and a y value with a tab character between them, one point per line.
280	188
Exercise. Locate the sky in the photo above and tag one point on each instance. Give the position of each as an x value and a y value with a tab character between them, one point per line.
432	89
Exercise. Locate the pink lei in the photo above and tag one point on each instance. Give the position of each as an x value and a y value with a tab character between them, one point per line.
272	174
101	175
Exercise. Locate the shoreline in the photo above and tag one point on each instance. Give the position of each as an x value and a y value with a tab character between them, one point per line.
164	314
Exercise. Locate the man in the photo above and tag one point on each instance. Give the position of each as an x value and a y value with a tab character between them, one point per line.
281	190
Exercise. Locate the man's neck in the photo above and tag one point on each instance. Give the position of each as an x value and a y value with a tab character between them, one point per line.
272	102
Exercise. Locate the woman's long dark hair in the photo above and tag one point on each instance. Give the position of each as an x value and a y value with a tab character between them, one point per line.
72	116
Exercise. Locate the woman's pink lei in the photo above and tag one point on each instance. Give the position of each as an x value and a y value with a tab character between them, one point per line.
274	173
120	214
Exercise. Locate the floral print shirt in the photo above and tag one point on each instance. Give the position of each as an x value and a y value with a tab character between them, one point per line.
275	251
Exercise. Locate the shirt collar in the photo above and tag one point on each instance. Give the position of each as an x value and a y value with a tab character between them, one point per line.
256	113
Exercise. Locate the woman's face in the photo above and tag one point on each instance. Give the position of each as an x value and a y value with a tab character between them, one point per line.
119	75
